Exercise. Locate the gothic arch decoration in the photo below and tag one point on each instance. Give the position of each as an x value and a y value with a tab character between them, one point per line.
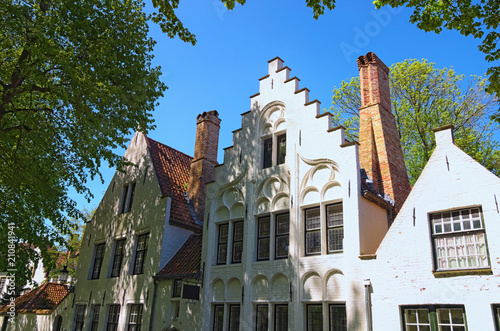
260	288
272	118
233	291
273	194
312	287
319	182
218	290
334	285
280	288
230	200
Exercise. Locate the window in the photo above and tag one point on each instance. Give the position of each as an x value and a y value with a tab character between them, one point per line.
127	198
281	150
279	145
135	317
79	317
237	241
222	244
282	235
118	258
235	248
281	317
113	317
218	317
496	316
140	253
99	254
313	231
427	318
94	322
314	317
335	226
263	241
262	312
234	318
338	318
268	153
459	239
177	288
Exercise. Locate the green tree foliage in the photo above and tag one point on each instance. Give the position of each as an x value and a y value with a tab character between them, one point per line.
75	80
424	98
479	19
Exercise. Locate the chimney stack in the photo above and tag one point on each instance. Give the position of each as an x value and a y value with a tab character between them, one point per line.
205	158
380	152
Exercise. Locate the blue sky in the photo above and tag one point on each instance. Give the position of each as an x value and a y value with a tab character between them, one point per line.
233	48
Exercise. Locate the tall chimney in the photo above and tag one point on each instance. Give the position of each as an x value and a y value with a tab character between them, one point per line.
380	152
205	158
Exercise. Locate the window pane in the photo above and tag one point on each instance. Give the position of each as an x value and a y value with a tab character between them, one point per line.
262	317
222	254
313	221
238	231
99	254
135	317
95	317
314	318
281	318
282	246
281	156
140	254
113	317
234	317
222	244
264	226
335	239
451	319
334	215
218	317
338	318
237	251
263	249
268	153
223	229
237	241
282	224
313	242
118	258
417	319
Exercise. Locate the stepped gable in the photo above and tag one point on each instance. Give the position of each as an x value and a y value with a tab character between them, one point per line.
186	262
172	171
41	300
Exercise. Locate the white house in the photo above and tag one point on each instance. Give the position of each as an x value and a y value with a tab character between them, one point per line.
438	267
291	215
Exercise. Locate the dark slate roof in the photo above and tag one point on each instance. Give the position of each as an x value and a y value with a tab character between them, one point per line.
42	299
186	262
172	171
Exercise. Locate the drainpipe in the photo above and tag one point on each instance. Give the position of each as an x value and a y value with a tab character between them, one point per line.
368	286
151	316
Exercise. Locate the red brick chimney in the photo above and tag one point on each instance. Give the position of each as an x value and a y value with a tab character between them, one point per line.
205	158
380	151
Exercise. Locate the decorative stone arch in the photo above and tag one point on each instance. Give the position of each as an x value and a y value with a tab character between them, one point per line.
280	287
260	288
310	183
267	112
311	286
218	290
334	285
233	290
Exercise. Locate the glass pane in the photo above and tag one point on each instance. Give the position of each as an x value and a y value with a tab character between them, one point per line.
313	242
314	318
457	316
223	229
264	226
313	219
234	318
411	316
237	251
263	249
281	318
443	316
334	215
282	246
262	317
335	239
282	224
338	318
423	316
281	149
222	254
238	231
218	317
268	153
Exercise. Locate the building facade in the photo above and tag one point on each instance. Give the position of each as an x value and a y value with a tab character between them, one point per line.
291	216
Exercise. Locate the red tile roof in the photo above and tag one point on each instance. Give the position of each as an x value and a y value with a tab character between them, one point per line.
42	299
172	170
186	262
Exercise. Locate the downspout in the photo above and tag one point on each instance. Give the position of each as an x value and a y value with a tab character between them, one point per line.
151	318
368	303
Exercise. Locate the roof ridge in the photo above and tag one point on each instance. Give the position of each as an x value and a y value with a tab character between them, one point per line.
178	151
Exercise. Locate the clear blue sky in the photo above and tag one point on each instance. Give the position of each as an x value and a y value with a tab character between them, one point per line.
233	48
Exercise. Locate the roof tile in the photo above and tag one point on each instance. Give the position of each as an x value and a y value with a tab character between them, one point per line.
186	262
45	297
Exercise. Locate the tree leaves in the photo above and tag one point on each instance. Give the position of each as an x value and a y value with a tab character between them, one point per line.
424	98
75	80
